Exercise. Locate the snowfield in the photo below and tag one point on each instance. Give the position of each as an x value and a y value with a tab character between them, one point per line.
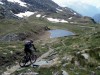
59	9
75	14
57	20
1	3
39	15
18	1
70	18
25	14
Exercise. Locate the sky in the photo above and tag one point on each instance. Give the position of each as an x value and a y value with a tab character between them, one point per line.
84	7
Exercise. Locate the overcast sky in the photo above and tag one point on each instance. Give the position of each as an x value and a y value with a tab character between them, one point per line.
84	7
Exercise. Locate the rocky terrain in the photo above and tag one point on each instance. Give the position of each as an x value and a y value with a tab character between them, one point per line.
77	54
71	55
45	9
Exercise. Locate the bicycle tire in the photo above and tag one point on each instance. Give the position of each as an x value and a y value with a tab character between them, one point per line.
22	62
25	62
33	59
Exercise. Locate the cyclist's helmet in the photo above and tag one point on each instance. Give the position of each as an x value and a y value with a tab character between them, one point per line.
31	41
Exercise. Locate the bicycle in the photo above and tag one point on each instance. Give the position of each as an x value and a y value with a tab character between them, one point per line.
27	60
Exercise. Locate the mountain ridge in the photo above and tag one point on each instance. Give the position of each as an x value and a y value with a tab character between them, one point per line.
97	18
47	8
71	55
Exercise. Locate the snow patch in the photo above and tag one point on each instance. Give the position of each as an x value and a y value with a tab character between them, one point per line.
64	21
1	3
19	1
59	9
39	15
57	20
43	16
74	13
25	14
70	18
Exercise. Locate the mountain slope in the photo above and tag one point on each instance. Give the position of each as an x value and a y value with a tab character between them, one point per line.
97	18
40	8
75	55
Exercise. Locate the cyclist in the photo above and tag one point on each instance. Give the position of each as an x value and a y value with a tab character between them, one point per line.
29	47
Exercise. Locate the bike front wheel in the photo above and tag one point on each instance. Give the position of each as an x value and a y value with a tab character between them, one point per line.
22	62
25	61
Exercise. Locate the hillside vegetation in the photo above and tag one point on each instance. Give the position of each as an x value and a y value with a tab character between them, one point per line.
77	55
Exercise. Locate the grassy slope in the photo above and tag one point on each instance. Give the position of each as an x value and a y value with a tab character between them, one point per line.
87	39
11	26
10	51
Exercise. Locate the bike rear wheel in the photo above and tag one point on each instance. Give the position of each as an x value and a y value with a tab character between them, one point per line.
33	59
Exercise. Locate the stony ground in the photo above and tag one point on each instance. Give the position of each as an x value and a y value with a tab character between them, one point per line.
41	61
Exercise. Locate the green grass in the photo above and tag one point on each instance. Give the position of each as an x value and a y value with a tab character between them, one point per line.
19	26
86	39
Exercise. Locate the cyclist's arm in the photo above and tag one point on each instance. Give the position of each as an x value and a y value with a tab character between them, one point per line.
34	47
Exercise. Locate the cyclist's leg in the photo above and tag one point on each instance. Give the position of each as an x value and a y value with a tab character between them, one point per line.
26	51
27	54
30	52
31	55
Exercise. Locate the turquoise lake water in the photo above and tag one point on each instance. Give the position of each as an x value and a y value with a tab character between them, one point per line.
60	33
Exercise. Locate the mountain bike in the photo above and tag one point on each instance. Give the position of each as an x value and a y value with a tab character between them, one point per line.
27	60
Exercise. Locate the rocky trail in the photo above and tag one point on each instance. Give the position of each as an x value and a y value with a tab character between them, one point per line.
38	62
41	62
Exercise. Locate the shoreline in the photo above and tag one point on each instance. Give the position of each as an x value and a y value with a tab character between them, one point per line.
45	35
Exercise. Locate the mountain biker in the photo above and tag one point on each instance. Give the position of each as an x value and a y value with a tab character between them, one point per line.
29	47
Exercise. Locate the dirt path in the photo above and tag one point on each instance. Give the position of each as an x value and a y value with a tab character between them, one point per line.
11	70
16	67
45	54
45	36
